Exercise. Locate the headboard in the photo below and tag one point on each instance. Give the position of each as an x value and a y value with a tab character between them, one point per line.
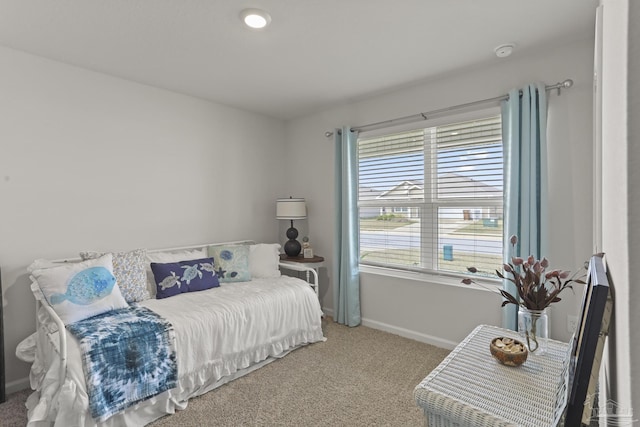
179	248
588	342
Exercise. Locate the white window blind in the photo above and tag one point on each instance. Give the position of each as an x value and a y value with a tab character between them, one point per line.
432	199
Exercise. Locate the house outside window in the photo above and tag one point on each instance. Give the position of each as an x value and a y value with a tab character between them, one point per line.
431	199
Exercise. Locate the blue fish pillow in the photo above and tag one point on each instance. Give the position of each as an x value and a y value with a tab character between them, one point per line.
77	291
231	262
173	278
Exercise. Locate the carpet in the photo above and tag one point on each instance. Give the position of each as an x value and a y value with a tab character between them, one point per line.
358	377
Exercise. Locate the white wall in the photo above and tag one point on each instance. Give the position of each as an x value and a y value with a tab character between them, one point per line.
633	76
92	162
442	313
620	177
634	198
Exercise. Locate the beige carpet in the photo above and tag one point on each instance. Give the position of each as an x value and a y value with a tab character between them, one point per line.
358	377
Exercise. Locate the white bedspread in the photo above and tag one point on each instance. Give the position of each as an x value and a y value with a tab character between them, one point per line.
220	333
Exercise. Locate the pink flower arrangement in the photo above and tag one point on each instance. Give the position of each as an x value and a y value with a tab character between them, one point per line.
537	288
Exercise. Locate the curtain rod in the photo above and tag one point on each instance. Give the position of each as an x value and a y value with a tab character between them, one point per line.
424	116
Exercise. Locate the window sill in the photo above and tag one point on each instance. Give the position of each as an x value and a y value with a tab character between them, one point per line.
488	285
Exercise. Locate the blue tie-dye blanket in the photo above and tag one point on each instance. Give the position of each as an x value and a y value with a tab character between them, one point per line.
128	355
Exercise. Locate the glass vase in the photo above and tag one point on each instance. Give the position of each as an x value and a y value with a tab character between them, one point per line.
533	326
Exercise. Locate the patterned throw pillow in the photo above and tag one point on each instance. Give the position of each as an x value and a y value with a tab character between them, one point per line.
231	262
77	291
129	269
174	278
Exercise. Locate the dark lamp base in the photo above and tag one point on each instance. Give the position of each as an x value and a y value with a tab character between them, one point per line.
292	248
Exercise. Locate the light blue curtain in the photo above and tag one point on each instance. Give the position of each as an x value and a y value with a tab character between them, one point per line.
346	285
524	127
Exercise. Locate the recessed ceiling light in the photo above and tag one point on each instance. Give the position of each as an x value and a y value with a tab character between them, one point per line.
255	18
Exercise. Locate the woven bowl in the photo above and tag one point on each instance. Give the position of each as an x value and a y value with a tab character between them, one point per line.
508	351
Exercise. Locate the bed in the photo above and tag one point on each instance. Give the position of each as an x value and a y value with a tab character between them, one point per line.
220	334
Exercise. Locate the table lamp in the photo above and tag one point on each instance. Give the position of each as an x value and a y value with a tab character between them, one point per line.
291	208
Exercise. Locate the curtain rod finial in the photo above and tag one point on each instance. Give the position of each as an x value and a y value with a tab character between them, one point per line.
328	134
564	85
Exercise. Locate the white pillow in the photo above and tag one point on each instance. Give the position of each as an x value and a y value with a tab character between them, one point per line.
77	291
264	259
170	256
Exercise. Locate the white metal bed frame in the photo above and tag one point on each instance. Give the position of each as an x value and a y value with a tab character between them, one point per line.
62	336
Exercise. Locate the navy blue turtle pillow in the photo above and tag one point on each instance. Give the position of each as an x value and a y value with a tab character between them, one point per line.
175	278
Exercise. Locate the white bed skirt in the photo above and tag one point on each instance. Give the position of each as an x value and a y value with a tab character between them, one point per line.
221	334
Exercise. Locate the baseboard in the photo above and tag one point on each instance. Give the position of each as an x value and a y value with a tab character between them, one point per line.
17	385
407	333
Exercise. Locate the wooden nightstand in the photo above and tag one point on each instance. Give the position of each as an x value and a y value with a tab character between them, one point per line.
314	263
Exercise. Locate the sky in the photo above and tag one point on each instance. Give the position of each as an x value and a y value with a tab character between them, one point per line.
385	172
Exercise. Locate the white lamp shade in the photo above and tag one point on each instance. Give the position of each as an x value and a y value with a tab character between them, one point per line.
291	209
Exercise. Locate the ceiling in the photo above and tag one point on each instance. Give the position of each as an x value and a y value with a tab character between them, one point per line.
315	54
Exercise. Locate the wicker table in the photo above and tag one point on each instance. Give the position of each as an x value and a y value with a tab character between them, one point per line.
470	388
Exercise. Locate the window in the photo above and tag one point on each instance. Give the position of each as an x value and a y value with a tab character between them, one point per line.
431	199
